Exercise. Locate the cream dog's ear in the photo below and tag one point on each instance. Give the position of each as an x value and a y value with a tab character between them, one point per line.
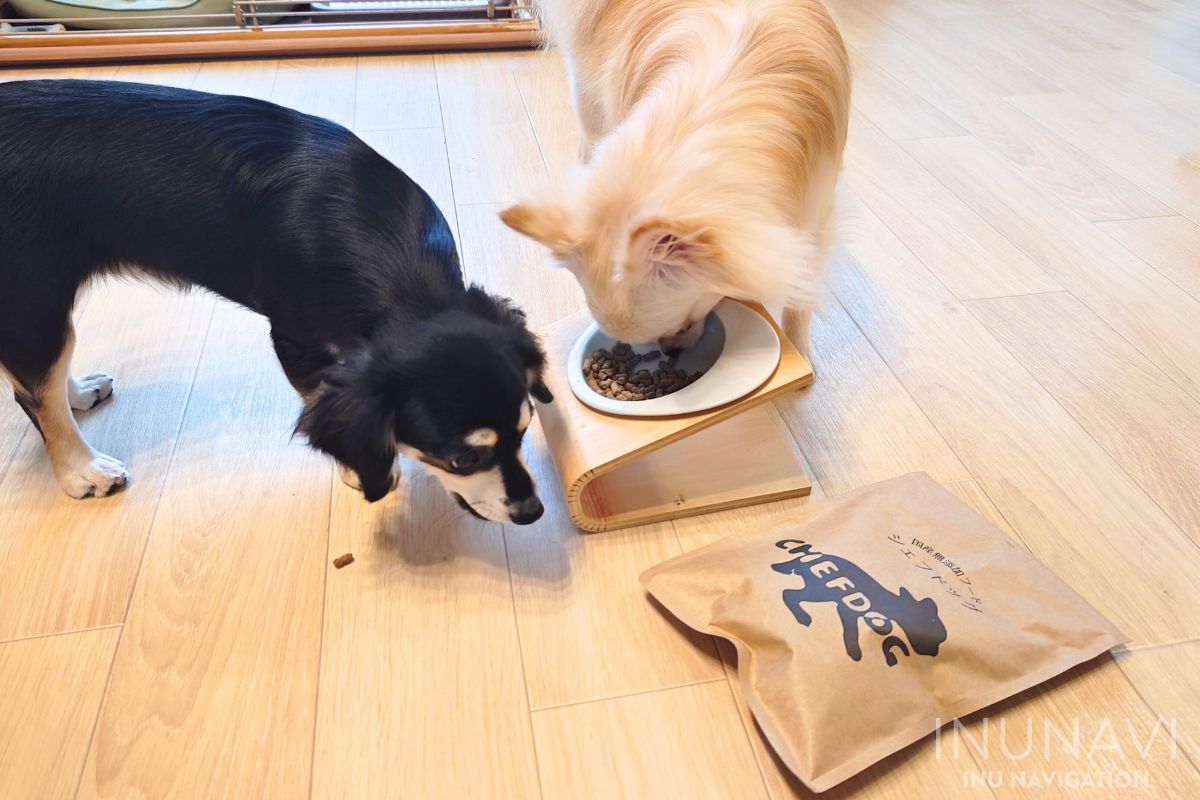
671	248
547	222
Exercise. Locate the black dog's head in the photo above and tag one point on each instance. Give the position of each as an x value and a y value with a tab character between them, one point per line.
452	391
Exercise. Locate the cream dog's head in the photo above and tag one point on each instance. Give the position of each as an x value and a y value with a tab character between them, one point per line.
645	281
653	267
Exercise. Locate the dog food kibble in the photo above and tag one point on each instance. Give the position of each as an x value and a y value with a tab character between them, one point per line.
616	374
342	561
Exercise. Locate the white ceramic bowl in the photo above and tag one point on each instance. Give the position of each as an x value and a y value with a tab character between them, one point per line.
737	353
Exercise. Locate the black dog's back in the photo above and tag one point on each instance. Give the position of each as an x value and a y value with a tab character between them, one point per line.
200	189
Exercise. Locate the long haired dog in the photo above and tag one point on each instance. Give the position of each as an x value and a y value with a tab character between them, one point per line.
713	136
291	216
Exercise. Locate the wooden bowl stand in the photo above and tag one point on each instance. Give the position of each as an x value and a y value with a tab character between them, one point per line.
618	472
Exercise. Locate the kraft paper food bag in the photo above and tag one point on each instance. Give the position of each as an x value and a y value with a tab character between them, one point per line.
885	613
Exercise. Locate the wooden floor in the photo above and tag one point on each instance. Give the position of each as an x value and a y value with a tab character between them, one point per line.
1017	312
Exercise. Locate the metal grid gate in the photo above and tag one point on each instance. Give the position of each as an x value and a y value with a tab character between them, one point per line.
95	30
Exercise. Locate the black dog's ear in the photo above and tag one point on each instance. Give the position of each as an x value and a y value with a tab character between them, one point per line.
529	351
351	419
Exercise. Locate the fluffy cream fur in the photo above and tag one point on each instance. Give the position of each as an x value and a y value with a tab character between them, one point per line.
713	136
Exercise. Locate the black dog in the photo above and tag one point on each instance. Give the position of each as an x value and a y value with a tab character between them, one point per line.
826	578
291	216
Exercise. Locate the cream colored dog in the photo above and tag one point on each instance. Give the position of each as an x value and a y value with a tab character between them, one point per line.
713	136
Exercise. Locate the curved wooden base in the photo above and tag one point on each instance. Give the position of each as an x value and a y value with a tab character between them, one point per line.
618	472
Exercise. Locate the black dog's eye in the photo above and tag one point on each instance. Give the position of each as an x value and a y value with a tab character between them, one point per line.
466	461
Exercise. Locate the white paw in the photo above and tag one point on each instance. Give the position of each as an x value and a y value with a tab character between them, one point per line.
89	391
96	475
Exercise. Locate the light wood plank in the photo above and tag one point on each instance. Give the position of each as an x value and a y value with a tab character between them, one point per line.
90	72
1076	179
1029	747
1060	42
588	629
543	84
421	153
512	266
1169	244
992	71
898	111
857	424
1073	506
1163	677
325	87
1141	417
973	495
694	532
396	92
69	564
214	684
1113	141
1139	303
245	78
494	155
619	748
52	690
179	74
960	247
422	693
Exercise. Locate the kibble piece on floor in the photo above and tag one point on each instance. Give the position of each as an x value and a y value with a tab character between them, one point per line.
342	561
616	374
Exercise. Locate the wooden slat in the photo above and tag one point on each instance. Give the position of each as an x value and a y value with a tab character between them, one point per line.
421	153
1029	747
494	155
396	92
91	72
1074	507
52	690
422	693
588	630
1141	417
1161	676
68	564
325	87
992	71
1169	244
244	78
856	423
1138	302
973	495
180	75
512	266
542	79
684	742
1075	178
1113	141
897	110
961	248
214	684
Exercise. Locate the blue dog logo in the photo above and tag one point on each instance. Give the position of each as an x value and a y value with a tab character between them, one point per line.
827	578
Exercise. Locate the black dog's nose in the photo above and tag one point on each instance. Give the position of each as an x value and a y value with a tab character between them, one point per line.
527	511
